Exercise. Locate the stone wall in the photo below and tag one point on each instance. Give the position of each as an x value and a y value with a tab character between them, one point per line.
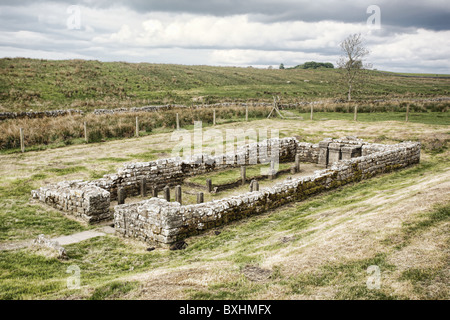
308	152
156	108
38	114
77	198
173	171
156	220
347	160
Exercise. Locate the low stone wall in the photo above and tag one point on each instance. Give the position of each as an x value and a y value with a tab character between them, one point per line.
157	108
347	160
90	200
79	199
38	114
156	220
173	171
308	152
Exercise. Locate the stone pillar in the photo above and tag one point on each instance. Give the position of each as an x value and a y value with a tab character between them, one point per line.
154	192
272	173
293	169
208	185
349	152
346	153
166	191
200	197
121	195
334	152
243	173
143	185
297	163
178	194
254	186
323	152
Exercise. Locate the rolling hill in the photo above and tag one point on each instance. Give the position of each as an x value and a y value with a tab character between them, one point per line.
49	84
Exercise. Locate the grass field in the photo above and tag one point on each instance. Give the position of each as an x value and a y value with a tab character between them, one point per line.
316	249
41	134
86	85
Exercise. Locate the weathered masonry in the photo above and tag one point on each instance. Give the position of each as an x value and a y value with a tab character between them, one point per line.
157	220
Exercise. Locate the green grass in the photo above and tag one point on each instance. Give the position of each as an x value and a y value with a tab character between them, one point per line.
113	290
20	220
45	84
349	279
97	174
68	170
100	260
29	275
440	75
233	175
433	118
114	159
149	155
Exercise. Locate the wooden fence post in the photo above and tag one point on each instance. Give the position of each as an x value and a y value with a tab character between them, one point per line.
178	121
312	108
85	133
137	127
22	142
355	116
407	113
246	113
214	117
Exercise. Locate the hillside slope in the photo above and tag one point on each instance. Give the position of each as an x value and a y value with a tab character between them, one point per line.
45	84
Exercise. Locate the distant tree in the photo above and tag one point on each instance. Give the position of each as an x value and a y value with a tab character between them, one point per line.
270	67
281	66
351	63
315	65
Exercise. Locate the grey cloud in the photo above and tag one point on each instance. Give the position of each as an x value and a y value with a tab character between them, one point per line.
434	15
397	17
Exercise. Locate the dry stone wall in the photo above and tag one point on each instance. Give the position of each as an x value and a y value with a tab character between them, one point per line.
173	171
88	202
156	220
38	114
346	160
156	108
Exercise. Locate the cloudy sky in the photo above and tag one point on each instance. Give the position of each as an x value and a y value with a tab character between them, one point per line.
404	36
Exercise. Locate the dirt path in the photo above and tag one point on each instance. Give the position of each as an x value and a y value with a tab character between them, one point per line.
62	240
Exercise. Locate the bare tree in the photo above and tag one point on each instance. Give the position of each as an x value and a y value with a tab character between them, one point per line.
351	62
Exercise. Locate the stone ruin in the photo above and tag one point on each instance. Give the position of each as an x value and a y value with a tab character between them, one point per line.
156	220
